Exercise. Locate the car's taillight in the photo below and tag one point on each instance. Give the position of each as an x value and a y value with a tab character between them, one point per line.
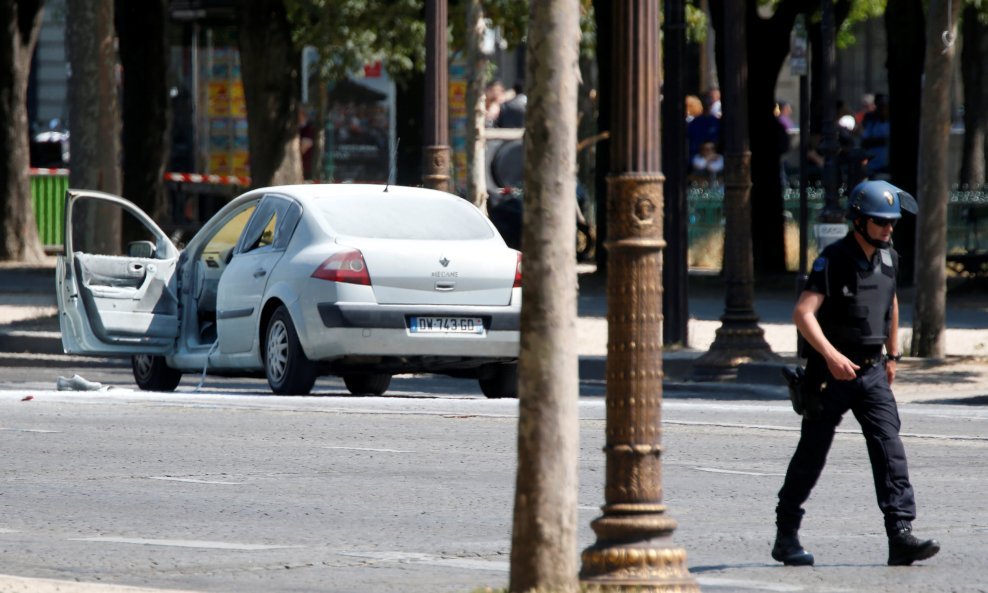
517	283
346	266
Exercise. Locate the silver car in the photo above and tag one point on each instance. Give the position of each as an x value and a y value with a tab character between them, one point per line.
360	281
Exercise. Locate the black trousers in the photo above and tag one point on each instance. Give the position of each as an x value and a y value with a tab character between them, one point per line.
870	398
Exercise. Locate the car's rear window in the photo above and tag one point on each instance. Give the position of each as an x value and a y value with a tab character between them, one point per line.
397	216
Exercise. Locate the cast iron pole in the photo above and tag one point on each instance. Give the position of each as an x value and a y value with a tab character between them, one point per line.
634	549
435	153
675	266
828	139
739	339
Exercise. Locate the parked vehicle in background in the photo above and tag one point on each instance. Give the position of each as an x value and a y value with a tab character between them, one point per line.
360	281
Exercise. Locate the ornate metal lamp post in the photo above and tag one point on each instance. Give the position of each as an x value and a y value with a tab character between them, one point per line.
634	548
739	339
435	153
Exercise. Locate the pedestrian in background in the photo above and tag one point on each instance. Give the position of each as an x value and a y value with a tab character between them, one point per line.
847	312
703	128
513	110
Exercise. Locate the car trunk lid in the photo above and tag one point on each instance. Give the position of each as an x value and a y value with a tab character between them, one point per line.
440	272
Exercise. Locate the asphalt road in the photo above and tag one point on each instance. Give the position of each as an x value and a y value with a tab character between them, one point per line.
234	490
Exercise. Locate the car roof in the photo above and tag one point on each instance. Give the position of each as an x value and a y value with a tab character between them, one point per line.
310	192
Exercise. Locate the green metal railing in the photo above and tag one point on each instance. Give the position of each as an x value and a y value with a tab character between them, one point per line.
965	208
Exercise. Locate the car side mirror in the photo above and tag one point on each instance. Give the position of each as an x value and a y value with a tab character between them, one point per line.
142	249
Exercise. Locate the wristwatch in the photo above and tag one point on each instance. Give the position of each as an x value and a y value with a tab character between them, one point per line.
895	357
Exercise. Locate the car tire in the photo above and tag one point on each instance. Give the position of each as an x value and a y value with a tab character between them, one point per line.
367	383
288	369
152	373
499	380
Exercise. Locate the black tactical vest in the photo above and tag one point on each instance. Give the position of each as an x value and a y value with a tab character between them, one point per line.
857	310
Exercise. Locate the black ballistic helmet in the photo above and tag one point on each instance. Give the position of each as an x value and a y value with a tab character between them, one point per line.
879	199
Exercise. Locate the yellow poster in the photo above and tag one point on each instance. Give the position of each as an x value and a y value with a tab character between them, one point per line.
218	101
238	105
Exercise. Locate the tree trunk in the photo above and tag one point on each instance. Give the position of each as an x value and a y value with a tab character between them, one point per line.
269	65
94	118
929	317
768	46
904	25
18	228
543	541
477	105
319	138
974	55
142	28
602	159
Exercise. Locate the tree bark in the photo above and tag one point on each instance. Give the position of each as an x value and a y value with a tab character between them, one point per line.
974	61
269	65
904	25
602	158
768	46
18	228
94	119
477	105
543	542
929	317
142	29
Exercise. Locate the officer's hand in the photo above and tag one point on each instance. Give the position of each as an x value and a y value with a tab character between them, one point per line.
841	368
890	370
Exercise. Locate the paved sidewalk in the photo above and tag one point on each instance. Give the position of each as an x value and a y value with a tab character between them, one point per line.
29	324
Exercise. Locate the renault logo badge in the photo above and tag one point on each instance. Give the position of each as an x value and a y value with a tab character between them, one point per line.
445	262
889	198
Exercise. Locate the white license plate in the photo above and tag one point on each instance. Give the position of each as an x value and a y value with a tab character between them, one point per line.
446	325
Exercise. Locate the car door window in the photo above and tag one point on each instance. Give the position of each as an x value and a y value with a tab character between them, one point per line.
271	225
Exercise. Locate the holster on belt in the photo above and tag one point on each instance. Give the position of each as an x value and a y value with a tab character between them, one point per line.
804	390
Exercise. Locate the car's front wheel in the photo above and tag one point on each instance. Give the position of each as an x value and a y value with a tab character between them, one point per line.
367	383
499	380
289	370
152	373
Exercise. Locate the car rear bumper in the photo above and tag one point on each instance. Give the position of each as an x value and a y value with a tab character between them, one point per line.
376	330
334	315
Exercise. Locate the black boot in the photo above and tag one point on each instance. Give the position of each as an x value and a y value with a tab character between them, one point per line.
788	550
905	548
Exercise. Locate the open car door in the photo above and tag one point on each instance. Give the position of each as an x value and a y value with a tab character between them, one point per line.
113	300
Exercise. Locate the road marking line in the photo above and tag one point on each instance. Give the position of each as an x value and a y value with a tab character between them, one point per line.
432	560
715	470
747	585
13	584
180	543
194	481
30	430
366	449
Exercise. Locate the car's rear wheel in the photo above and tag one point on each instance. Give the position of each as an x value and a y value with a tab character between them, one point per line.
499	380
367	383
152	373
289	370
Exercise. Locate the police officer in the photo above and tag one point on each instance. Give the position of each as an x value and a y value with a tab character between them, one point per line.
847	313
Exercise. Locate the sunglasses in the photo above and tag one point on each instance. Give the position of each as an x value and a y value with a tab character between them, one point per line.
883	222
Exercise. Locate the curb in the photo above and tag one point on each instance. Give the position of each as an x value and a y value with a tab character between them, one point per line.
30	342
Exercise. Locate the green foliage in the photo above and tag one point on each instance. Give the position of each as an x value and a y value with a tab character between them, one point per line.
696	23
510	17
858	11
350	33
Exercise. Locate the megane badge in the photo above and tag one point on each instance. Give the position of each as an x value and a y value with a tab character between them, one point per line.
444	262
